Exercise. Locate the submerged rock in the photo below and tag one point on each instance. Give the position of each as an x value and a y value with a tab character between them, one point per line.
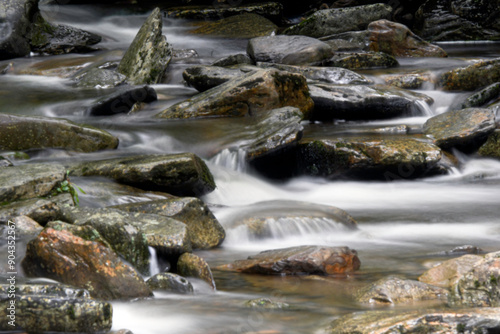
171	283
100	78
41	210
148	56
246	25
203	77
316	260
122	101
472	77
449	272
177	174
362	60
190	265
33	132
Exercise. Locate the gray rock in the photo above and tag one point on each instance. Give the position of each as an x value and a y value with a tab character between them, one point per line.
122	101
25	226
149	54
481	98
4	162
334	21
357	40
190	265
177	174
171	283
100	78
266	304
238	59
362	60
33	132
204	77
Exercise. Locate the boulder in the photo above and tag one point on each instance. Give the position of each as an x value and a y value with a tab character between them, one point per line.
395	290
368	157
354	102
171	283
414	80
203	77
289	50
465	129
203	228
231	60
121	101
362	60
55	308
315	260
29	181
448	272
25	226
397	40
334	21
472	77
266	304
100	78
483	97
72	260
491	148
87	233
177	174
35	132
148	56
248	95
41	210
190	265
246	26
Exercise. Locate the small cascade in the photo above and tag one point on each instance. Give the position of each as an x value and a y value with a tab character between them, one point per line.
231	159
154	266
422	109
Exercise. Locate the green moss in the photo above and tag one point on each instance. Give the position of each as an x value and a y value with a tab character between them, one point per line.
460	328
493	280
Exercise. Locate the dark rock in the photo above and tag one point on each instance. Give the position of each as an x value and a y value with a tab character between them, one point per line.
353	102
315	260
290	50
491	148
148	56
190	265
465	129
32	132
266	304
25	226
69	259
177	174
122	101
475	76
362	60
204	77
333	21
447	273
247	95
462	250
238	26
238	59
416	80
481	98
356	40
41	210
342	45
100	78
170	282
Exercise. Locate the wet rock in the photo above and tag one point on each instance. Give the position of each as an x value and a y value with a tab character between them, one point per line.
85	232
122	101
342	45
100	78
290	50
41	210
25	226
55	308
491	148
247	95
184	54
397	40
353	102
362	60
33	132
4	162
354	40
170	282
29	181
317	260
204	230
333	75
462	250
334	21
237	59
266	304
148	56
447	273
204	77
69	259
238	26
368	157
465	129
418	321
410	80
482	97
472	77
190	265
395	290
177	174
458	20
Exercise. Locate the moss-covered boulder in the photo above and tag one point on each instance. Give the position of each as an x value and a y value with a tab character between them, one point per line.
491	148
122	101
483	97
449	272
362	60
148	56
33	132
190	265
472	77
42	210
170	282
246	25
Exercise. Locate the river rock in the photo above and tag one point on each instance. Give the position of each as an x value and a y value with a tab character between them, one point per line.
464	129
34	132
204	230
397	40
395	157
69	259
491	148
100	78
247	95
315	260
177	174
472	77
354	102
333	75
25	226
85	232
171	283
482	97
246	26
266	304
203	77
29	181
448	272
55	308
418	321
362	60
41	210
415	80
458	20
395	290
4	162
231	60
290	50
334	21
190	265
148	56
122	101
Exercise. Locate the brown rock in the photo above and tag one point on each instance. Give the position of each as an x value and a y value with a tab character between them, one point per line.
447	273
190	265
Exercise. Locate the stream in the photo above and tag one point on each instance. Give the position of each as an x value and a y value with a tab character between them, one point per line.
404	224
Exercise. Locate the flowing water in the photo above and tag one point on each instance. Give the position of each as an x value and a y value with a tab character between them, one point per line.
403	224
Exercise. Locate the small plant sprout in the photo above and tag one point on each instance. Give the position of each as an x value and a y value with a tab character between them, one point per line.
67	186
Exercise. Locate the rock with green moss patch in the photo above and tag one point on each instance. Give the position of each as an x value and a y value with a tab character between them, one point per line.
362	60
266	304
190	265
170	282
491	148
246	25
472	77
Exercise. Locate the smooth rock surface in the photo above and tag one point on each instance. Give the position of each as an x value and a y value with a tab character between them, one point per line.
171	283
191	265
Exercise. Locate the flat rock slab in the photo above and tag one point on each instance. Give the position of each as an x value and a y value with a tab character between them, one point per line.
122	101
315	260
41	210
177	174
203	77
20	133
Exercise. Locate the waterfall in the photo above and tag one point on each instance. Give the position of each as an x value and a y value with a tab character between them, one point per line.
231	159
154	267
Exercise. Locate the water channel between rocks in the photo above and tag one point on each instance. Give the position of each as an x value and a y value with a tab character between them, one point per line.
402	224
